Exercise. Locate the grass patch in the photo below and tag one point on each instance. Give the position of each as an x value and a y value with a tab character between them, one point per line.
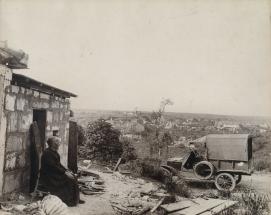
250	203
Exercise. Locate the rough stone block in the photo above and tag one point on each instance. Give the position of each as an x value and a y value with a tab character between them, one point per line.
14	144
68	106
12	122
25	122
55	104
15	89
55	117
55	128
21	160
61	116
10	102
10	161
36	94
20	103
44	96
26	141
48	127
49	116
29	92
40	105
12	181
67	113
22	90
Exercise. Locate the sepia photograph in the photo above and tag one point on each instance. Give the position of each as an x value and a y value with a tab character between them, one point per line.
135	107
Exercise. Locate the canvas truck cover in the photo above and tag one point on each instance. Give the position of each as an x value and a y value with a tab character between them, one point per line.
229	147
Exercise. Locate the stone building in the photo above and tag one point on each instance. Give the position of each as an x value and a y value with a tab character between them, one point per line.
24	100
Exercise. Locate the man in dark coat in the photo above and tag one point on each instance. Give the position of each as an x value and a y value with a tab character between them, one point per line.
55	178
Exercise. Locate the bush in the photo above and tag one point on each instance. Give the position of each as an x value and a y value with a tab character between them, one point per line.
103	140
128	151
261	141
262	164
81	135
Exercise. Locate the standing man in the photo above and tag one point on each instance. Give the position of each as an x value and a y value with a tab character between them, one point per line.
55	178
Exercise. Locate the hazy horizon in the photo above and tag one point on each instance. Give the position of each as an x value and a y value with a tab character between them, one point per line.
196	113
206	56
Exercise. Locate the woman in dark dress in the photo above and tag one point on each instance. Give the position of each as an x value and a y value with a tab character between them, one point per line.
55	178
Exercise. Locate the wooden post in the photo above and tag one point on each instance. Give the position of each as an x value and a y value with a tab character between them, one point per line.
72	150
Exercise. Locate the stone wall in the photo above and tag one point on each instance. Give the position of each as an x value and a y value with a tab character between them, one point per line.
18	109
5	78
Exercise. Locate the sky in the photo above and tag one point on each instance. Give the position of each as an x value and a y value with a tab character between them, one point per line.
207	56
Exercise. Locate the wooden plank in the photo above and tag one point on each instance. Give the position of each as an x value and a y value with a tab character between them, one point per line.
220	208
176	206
202	206
157	205
117	165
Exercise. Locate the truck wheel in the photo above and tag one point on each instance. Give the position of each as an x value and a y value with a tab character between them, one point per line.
237	178
204	170
225	182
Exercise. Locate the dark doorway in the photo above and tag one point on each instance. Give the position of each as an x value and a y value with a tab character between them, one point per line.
39	116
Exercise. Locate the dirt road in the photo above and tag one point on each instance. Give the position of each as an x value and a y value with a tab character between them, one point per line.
261	182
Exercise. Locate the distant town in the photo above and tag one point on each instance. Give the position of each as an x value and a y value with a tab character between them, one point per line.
184	127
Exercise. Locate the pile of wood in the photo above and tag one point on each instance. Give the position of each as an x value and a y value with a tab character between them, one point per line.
196	206
90	183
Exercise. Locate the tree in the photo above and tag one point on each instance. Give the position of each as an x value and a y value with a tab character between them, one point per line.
104	140
155	133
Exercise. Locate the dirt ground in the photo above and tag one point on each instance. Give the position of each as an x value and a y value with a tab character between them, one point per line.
117	187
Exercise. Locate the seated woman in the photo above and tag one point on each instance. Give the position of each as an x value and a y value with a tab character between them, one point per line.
55	178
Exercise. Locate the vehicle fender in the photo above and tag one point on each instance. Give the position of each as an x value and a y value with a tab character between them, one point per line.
171	169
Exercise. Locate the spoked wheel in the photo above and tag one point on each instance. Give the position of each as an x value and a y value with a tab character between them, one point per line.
225	182
237	178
